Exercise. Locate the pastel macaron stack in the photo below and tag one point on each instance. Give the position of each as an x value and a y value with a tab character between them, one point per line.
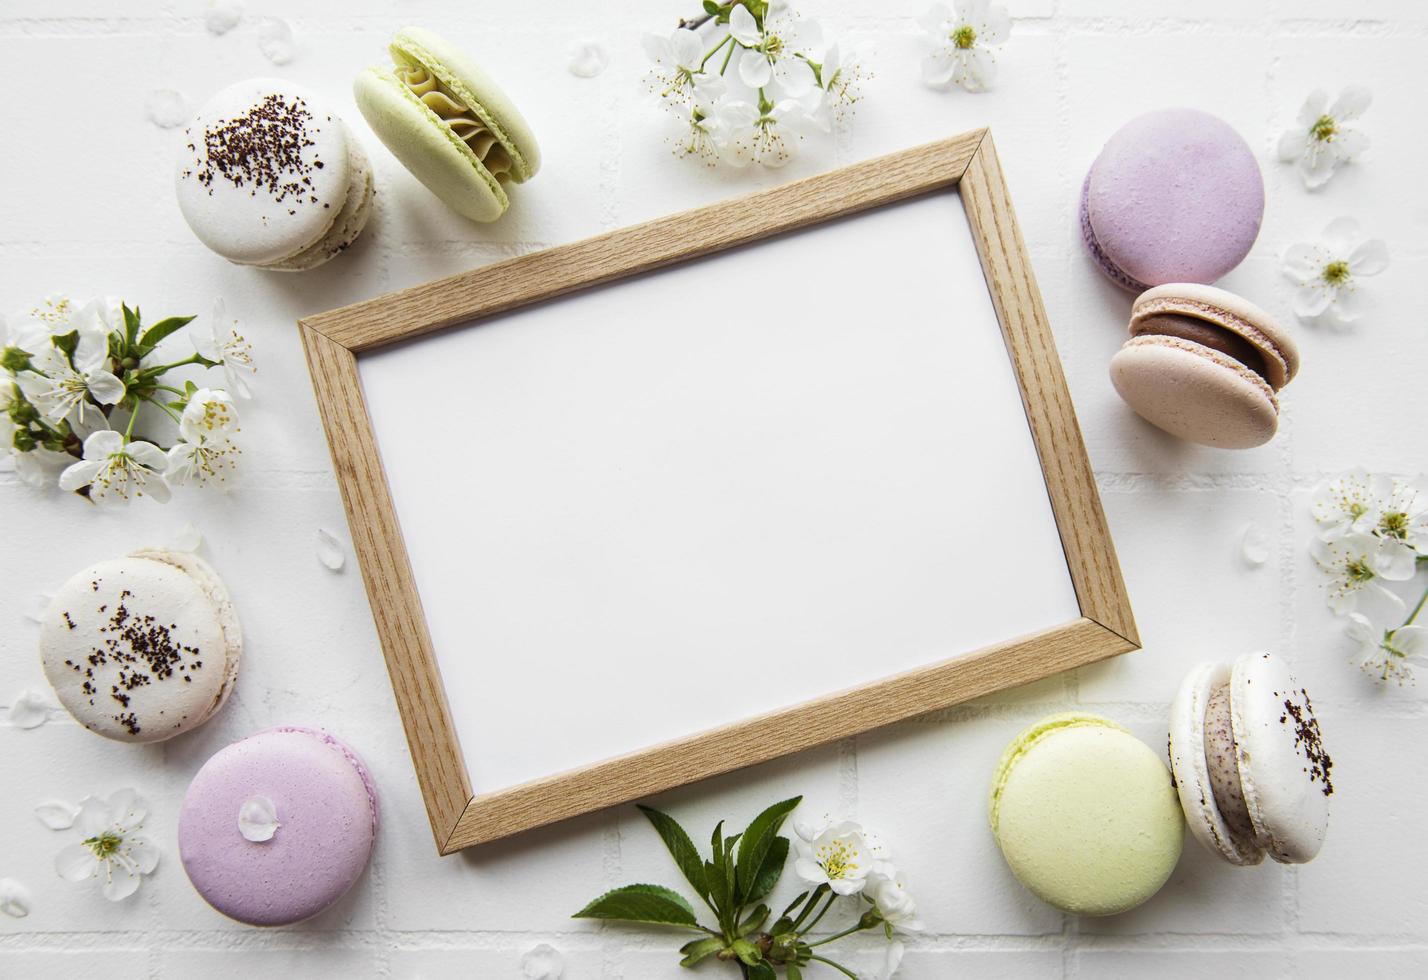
1250	764
448	123
1086	814
1205	365
269	176
277	827
142	648
1174	196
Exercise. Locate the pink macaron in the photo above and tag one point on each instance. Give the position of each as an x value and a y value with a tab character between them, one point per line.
1205	365
1175	196
277	827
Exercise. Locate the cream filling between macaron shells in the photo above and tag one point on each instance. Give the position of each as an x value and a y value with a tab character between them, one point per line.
1279	370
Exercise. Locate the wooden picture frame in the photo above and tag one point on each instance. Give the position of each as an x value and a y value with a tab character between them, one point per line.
333	341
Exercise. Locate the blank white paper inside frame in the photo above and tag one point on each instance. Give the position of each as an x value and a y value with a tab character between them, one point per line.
716	490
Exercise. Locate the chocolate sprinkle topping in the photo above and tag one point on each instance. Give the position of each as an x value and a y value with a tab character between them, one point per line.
145	650
261	149
1308	739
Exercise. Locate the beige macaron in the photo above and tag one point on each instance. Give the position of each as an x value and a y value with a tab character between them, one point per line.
1205	365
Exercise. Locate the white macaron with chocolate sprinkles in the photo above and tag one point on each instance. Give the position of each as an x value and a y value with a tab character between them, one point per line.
1249	762
142	648
269	176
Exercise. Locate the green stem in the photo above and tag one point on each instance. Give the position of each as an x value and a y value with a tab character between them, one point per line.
159	369
176	391
814	897
832	895
715	50
1416	610
837	966
729	54
162	407
133	417
855	927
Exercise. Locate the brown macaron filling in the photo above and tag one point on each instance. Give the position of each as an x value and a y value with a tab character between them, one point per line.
1223	764
1206	334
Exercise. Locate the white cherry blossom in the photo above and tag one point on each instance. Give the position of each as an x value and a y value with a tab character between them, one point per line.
960	43
1321	140
1388	653
116	469
112	850
1357	562
1328	272
226	344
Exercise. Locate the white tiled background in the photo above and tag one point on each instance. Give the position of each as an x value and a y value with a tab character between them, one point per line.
86	208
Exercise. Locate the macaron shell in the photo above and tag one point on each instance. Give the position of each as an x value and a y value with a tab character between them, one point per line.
1285	775
202	573
1195	393
249	223
1229	311
477	91
1175	196
140	649
326	814
1087	819
1191	769
349	223
427	147
1098	255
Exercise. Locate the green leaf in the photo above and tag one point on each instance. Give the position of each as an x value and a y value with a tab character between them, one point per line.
698	949
761	971
757	840
641	903
131	324
770	871
716	841
711	8
747	952
754	921
162	329
717	878
680	847
67	343
794	973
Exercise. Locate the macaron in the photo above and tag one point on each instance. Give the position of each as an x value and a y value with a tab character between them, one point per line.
448	123
1205	365
269	176
142	648
1175	196
1249	761
1086	815
277	827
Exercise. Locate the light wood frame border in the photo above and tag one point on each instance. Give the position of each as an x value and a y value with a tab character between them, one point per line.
332	342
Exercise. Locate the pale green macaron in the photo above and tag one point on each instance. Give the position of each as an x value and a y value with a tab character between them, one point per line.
1086	814
448	123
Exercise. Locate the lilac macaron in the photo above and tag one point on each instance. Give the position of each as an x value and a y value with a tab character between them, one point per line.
277	827
1175	196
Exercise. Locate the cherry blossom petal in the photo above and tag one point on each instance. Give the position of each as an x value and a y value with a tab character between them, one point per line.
123	881
80	474
1351	103
1304	262
75	863
1293	144
1311	300
744	28
104	387
1314	108
937	69
57	814
754	68
686	47
656	49
143	853
1369	258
